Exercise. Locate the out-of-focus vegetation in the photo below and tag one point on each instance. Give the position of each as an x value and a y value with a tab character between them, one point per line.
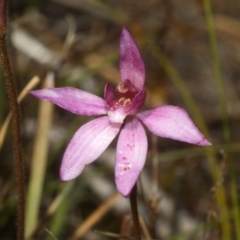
191	52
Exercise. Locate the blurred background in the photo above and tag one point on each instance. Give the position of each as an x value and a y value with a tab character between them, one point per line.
191	50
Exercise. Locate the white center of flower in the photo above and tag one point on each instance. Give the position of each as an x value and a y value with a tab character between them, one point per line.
116	116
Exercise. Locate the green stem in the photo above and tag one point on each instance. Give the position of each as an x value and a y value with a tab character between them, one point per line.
12	95
135	217
223	105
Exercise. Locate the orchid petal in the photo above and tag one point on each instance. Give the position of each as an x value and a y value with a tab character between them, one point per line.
73	100
131	63
172	122
87	144
138	101
131	155
109	95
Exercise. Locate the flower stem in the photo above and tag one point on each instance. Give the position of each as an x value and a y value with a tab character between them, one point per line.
12	95
134	210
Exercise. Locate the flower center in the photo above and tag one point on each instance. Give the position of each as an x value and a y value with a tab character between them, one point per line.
125	93
123	101
126	90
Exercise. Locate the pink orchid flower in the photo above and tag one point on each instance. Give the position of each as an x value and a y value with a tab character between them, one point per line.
121	109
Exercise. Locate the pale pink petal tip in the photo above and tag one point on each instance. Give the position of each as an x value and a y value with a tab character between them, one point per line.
173	122
131	63
69	174
127	184
204	142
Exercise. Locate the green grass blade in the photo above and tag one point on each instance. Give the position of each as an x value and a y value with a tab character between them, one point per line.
195	113
38	166
223	105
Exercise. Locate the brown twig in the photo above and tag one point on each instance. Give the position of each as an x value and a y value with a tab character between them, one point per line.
12	95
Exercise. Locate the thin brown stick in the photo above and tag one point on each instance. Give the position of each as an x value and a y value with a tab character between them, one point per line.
3	130
135	217
95	216
12	95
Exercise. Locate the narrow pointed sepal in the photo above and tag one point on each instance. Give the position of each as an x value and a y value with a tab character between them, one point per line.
131	63
172	122
73	100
